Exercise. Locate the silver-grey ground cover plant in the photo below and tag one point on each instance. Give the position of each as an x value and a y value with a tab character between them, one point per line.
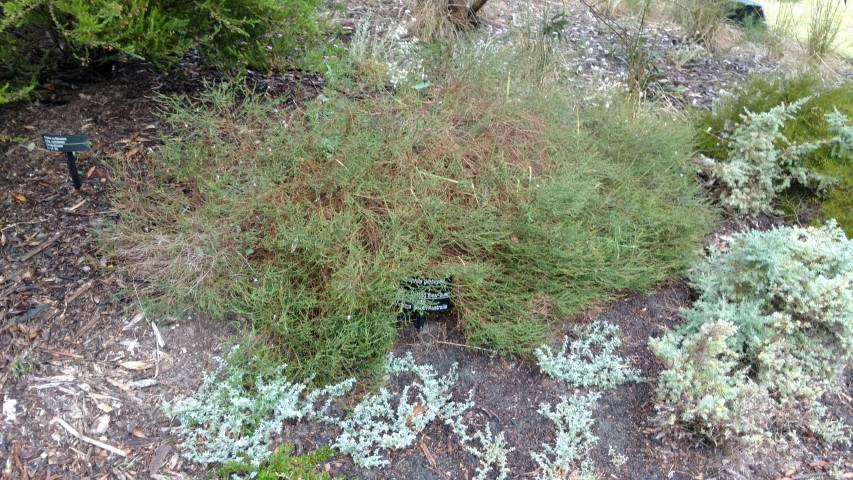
377	424
573	418
224	421
492	454
588	360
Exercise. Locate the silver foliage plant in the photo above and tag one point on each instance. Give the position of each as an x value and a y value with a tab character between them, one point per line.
224	421
770	334
588	360
573	418
757	170
491	454
376	425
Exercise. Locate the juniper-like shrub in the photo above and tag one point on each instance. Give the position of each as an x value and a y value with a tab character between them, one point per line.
37	34
769	335
809	124
757	169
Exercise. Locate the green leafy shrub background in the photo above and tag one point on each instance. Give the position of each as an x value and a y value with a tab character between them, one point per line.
807	125
43	34
769	335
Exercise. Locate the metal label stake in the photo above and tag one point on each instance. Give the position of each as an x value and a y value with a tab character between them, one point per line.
69	144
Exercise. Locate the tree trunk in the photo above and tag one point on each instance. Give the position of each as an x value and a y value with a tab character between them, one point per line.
477	5
458	11
461	13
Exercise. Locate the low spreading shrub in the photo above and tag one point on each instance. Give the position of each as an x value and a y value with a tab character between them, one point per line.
570	451
232	418
589	360
769	335
492	454
305	224
43	34
375	426
808	124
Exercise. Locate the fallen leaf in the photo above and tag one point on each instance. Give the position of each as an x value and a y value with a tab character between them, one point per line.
132	152
134	365
28	332
419	409
20	197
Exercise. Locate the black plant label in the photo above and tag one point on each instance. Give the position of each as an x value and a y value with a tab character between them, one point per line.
426	294
66	143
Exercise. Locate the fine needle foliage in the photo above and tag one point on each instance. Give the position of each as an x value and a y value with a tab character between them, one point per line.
809	124
40	36
757	170
305	223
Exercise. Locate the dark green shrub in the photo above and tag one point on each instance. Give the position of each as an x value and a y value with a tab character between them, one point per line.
39	34
808	124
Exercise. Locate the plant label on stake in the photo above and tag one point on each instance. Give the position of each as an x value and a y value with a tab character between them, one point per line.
69	144
425	294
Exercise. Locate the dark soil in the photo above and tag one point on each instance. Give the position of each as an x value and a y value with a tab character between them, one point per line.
74	348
